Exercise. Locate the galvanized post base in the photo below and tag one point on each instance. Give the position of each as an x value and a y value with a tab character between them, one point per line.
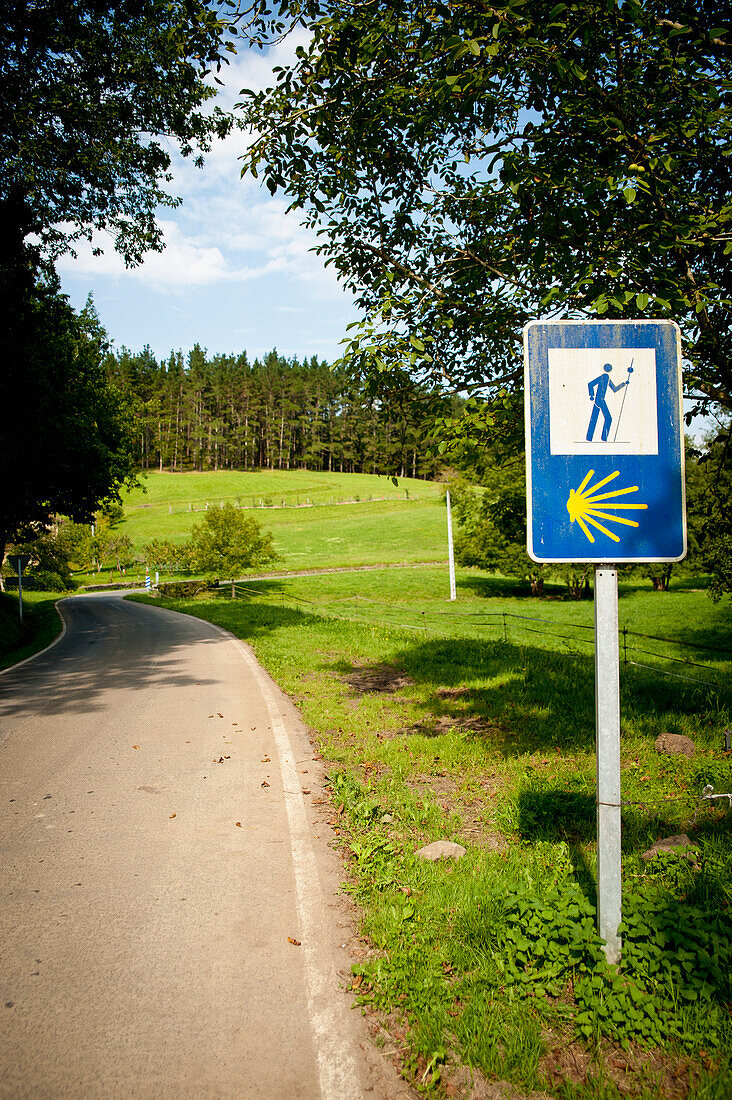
607	711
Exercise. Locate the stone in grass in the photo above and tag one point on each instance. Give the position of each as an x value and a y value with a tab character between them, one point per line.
441	849
675	744
668	844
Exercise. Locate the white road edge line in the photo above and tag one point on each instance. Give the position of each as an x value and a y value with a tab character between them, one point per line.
337	1070
56	640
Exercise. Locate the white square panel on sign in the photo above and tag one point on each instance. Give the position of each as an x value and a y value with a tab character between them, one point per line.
602	401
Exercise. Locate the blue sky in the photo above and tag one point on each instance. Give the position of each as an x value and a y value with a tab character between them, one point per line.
237	273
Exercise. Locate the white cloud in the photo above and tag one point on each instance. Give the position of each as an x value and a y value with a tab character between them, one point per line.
253	69
261	240
228	233
227	228
185	262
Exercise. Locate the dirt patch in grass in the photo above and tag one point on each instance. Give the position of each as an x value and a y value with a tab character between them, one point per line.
377	678
454	693
572	1063
484	727
474	828
470	1084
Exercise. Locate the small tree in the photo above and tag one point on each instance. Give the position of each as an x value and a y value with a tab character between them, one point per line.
228	541
709	513
77	542
493	527
47	565
163	554
120	546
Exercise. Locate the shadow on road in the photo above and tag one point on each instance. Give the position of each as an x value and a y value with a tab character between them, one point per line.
110	644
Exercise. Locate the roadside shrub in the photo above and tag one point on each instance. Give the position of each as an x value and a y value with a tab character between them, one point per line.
182	590
46	580
675	955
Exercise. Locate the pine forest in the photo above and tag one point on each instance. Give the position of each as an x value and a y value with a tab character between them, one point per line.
226	412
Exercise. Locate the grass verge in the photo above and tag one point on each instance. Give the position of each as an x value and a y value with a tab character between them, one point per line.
41	624
440	728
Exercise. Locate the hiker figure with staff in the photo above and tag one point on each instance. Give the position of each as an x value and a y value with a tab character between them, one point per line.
598	391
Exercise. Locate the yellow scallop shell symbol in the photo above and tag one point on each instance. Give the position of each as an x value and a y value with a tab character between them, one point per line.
583	502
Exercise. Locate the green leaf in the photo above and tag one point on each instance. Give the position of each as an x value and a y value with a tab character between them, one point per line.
630	193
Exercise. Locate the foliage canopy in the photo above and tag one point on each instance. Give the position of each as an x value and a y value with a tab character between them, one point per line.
90	95
93	96
65	437
474	164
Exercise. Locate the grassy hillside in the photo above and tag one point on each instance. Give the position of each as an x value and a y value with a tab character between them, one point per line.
317	519
274	487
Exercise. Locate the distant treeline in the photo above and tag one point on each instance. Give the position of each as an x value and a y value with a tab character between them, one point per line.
229	413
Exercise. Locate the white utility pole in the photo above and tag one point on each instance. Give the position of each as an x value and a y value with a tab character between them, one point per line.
451	555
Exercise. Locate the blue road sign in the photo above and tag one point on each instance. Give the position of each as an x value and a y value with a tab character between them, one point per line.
604	441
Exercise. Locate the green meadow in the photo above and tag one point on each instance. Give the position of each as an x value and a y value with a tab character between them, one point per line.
318	520
273	487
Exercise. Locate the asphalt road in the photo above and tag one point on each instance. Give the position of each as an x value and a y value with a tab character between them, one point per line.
158	858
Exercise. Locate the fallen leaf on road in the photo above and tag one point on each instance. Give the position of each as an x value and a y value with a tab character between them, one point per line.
135	746
173	815
266	760
220	715
252	727
295	942
265	783
238	824
305	791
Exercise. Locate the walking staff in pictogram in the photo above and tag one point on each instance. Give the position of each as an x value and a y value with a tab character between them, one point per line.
627	387
598	391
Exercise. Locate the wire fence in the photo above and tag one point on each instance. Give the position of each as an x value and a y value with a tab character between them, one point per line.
273	501
513	628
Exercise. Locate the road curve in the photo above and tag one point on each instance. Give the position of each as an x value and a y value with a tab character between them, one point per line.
158	859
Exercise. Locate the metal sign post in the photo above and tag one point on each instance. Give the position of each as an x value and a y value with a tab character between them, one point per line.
607	725
19	560
605	484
